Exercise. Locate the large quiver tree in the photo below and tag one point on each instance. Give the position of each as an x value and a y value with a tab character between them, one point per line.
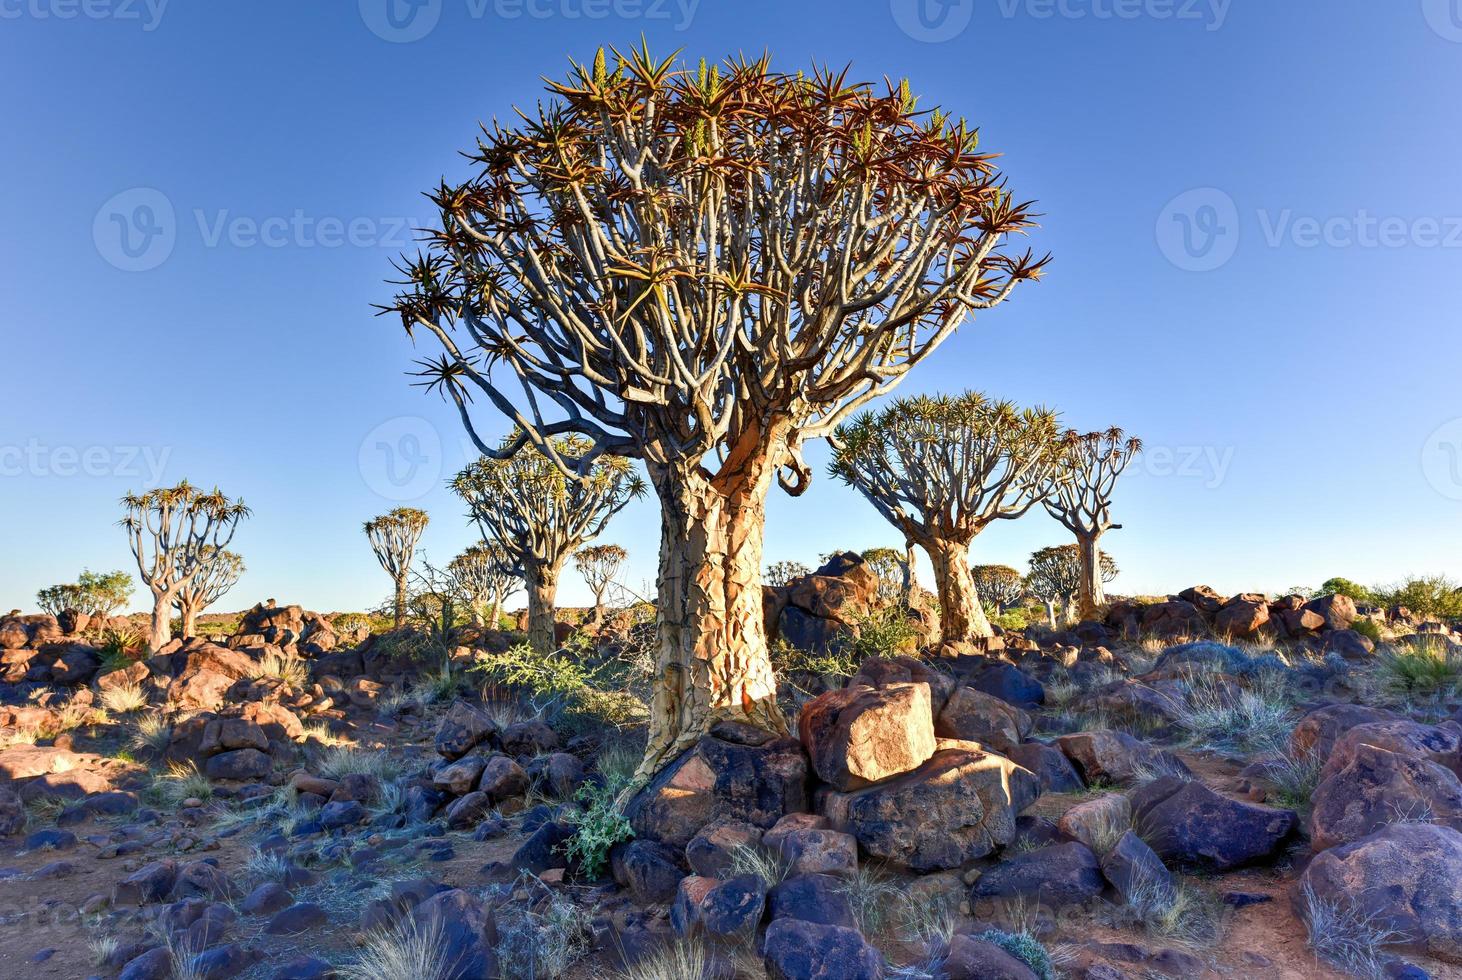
703	270
943	468
539	515
172	531
1082	502
393	537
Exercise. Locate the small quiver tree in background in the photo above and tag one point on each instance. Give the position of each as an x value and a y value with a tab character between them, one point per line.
486	575
393	538
539	515
1055	577
1082	502
599	564
220	570
999	584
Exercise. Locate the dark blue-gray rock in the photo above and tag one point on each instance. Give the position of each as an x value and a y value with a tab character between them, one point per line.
972	958
650	870
150	883
305	968
545	849
467	811
1062	874
469	934
463	728
422	803
333	816
1008	683
50	840
240	764
734	907
529	738
298	918
224	961
795	949
115	803
1110	756
155	964
711	851
1049	764
266	899
202	879
736	771
1137	873
1190	825
813	898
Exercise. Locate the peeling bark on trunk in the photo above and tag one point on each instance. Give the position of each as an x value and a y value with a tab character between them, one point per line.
1092	595
961	616
712	663
1051	612
542	582
160	631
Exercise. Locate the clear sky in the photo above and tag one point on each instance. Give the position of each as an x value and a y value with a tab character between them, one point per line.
1254	207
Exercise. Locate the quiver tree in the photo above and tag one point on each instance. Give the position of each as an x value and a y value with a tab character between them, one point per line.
703	270
1055	577
943	468
598	564
485	575
1082	501
782	573
393	538
219	570
540	516
172	531
999	584
895	571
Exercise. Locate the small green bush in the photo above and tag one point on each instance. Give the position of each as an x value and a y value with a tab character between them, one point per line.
1024	947
1431	596
1428	668
887	631
1345	587
600	826
1368	628
1012	620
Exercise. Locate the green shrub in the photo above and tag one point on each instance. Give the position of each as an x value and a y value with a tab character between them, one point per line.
1432	596
570	686
1012	620
887	631
1024	947
1368	628
1345	587
600	826
1428	667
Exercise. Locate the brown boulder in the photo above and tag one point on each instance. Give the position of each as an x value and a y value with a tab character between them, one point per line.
958	806
1441	744
1406	877
975	716
1242	617
1377	787
1116	757
862	735
1316	732
1337	611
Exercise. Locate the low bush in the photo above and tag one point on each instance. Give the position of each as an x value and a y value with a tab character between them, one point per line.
1427	667
598	827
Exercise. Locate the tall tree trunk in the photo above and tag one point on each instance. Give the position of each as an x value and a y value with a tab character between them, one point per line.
961	617
1092	595
189	615
906	570
1051	612
712	663
542	593
401	600
495	612
474	610
160	631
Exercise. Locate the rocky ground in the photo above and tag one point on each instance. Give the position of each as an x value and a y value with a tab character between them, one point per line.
1130	798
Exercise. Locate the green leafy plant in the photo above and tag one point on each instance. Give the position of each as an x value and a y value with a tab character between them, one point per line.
560	685
1369	629
1345	587
884	632
1431	596
1428	667
600	826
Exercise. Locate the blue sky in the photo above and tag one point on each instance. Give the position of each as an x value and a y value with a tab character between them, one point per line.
1253	207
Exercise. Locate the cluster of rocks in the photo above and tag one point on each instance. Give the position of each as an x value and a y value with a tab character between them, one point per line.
822	611
916	769
1322	624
